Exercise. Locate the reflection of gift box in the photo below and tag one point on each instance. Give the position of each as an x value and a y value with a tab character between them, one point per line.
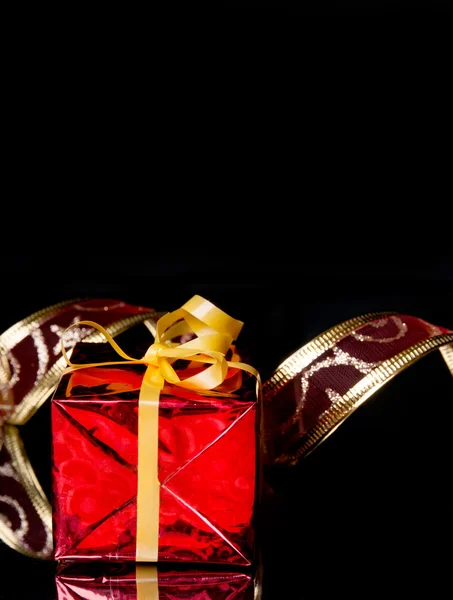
206	467
126	582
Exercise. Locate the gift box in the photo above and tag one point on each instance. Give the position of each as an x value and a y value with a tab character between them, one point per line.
207	455
127	582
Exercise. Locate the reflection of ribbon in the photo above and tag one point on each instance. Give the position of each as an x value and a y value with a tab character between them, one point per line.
215	332
147	582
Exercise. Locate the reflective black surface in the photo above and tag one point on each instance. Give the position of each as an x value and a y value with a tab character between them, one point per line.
331	8
369	513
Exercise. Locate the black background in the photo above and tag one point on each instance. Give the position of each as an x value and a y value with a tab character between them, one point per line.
368	513
349	7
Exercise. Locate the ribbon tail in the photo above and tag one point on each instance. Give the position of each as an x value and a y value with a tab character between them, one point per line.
148	492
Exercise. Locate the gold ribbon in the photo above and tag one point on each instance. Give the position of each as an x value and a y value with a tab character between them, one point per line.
147	582
215	331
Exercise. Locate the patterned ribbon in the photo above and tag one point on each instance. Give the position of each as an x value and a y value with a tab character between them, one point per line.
31	364
215	331
324	382
308	396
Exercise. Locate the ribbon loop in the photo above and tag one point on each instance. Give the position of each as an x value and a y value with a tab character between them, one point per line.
210	333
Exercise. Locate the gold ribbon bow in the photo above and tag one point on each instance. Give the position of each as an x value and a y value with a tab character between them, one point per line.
215	331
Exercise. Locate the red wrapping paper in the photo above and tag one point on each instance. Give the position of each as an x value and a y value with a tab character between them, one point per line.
207	469
120	582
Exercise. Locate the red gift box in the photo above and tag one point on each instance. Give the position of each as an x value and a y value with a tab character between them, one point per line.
125	582
207	468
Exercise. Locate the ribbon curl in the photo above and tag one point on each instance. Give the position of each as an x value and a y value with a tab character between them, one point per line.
215	331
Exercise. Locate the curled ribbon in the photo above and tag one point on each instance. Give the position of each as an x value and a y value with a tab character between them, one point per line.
6	399
215	331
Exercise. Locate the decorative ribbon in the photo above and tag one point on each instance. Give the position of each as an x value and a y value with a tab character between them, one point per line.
31	365
325	381
215	331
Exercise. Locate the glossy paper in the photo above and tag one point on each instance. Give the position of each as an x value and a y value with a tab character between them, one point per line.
206	463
